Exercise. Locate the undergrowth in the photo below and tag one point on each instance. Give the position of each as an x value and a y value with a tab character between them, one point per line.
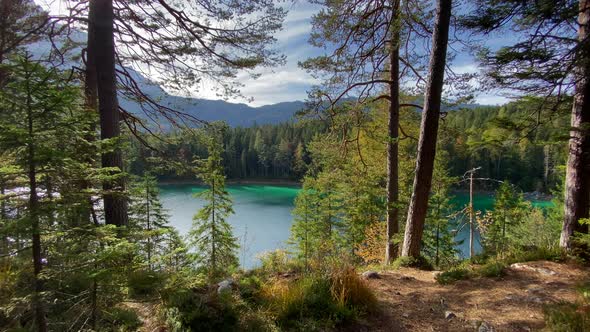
570	317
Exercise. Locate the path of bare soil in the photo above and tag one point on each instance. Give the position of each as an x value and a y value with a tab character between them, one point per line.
412	300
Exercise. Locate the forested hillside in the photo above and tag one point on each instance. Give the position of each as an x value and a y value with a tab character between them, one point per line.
495	138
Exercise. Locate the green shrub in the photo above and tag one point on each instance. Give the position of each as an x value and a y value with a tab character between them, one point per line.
452	275
567	317
419	263
142	283
554	254
199	310
120	319
249	287
491	269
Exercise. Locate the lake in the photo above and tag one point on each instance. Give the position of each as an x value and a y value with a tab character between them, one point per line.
262	218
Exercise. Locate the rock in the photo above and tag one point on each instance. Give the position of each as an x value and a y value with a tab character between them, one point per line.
225	286
485	327
475	323
407	278
406	315
371	275
526	267
450	315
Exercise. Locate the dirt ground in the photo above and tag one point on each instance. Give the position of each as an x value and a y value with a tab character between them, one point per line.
146	311
413	301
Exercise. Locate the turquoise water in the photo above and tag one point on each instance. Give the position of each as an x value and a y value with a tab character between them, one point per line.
262	218
481	202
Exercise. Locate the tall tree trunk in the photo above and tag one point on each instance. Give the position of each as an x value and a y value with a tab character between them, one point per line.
428	132
34	215
393	138
471	216
115	204
91	106
4	245
577	181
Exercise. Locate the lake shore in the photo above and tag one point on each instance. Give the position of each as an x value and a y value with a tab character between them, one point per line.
272	182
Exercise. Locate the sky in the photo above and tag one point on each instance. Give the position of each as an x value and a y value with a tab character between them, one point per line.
289	82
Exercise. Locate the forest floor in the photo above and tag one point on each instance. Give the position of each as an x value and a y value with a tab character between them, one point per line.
411	300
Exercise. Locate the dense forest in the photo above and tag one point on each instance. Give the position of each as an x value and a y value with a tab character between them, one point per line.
477	136
390	134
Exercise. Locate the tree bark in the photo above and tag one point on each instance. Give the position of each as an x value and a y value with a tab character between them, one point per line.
577	181
34	215
391	250
102	19
428	132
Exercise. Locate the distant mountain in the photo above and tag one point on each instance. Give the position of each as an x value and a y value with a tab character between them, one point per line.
203	109
218	110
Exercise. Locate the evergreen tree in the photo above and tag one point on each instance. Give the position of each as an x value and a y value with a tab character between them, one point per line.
439	243
211	235
509	211
427	142
304	228
148	215
36	105
549	59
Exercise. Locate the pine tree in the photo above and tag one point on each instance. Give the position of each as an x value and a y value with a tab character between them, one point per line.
36	105
439	243
304	229
509	211
428	132
149	216
549	58
211	235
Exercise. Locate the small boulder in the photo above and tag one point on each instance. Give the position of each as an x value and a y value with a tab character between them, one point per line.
526	267
485	327
225	286
406	315
371	275
450	315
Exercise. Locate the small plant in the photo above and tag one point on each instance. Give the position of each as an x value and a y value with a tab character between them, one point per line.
419	263
452	275
275	261
318	301
199	310
554	254
349	290
567	317
143	283
120	319
570	317
492	269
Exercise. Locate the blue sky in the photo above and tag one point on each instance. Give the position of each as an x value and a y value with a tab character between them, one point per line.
289	82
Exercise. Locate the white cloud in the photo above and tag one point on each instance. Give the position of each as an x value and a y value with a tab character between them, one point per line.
485	99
